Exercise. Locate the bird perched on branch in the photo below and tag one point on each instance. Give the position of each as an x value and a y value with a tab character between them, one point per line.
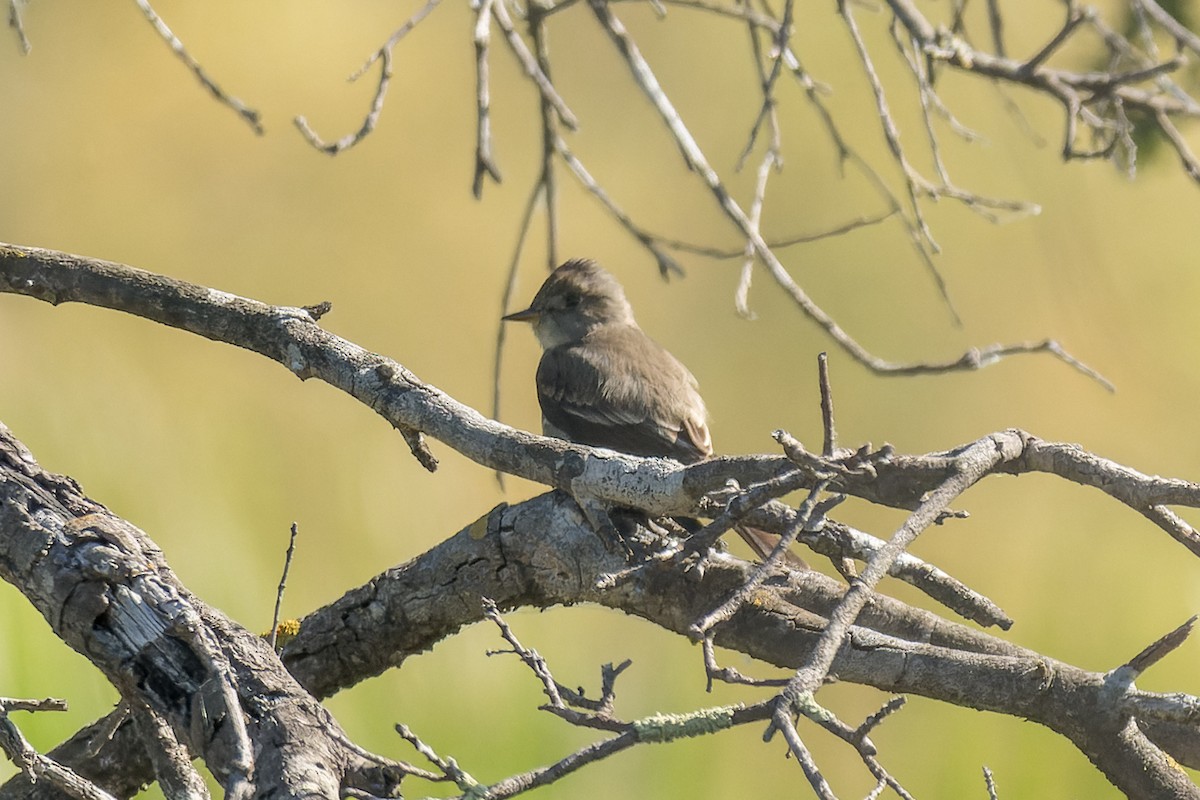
603	382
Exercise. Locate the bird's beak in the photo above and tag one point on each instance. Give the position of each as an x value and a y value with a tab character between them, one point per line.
528	315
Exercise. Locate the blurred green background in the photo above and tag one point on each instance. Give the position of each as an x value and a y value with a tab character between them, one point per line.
109	148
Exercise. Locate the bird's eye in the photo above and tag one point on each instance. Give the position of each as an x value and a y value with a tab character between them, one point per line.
571	299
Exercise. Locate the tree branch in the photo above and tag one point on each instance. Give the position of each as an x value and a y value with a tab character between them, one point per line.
197	682
137	620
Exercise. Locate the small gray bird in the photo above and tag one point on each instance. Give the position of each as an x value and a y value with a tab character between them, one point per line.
603	382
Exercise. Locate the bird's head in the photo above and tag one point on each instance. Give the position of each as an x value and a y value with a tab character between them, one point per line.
578	297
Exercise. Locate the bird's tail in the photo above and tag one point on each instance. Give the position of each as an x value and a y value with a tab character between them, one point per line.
763	542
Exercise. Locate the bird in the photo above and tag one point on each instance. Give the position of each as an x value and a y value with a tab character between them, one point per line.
602	381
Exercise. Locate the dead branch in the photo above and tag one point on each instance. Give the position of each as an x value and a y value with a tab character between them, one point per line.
247	114
804	621
196	681
1100	109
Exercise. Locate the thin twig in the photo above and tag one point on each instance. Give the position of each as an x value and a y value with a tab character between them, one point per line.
547	179
384	56
14	22
772	159
796	747
968	466
716	672
369	122
35	765
108	729
395	38
8	704
532	69
829	443
697	162
1075	18
532	660
930	104
564	702
447	766
510	291
990	782
875	720
485	166
1171	25
543	776
287	565
780	34
252	117
666	263
892	136
777	244
1186	157
806	514
1160	648
738	11
996	26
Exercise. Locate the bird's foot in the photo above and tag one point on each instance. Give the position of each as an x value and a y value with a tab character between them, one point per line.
602	522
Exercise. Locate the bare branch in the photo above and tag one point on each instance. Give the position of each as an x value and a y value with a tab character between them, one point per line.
804	517
1190	163
484	165
990	782
384	56
35	765
546	180
533	69
892	137
1075	17
447	766
796	747
971	464
369	122
189	674
829	443
287	565
171	758
1171	25
666	264
697	162
14	22
772	159
1161	648
252	117
824	626
506	300
778	244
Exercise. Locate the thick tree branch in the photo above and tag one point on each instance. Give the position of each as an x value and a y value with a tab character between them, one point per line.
290	336
542	553
200	686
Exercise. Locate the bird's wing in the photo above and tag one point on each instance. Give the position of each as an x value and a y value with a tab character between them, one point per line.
619	389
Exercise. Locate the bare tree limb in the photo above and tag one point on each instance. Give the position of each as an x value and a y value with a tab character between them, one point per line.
35	765
195	680
804	620
485	166
249	115
15	22
699	164
384	56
